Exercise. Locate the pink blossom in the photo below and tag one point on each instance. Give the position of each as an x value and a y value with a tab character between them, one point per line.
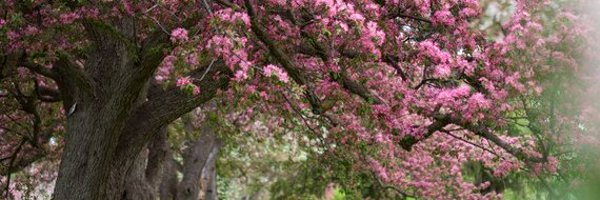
442	71
182	81
356	17
195	90
468	12
31	30
375	33
513	81
13	35
69	17
443	17
229	16
192	59
242	72
240	75
552	164
478	100
423	6
127	7
243	16
179	35
432	50
270	70
165	68
278	2
379	170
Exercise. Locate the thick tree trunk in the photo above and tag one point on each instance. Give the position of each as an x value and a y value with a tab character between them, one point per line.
91	140
112	121
98	100
86	171
159	153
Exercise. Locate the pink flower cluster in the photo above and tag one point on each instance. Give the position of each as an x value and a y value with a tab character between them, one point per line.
443	17
179	35
165	68
433	51
271	70
186	82
68	18
234	52
372	37
183	81
229	16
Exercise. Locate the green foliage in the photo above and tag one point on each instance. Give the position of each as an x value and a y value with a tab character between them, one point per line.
339	194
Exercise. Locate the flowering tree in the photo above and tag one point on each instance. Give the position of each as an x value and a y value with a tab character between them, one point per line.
412	91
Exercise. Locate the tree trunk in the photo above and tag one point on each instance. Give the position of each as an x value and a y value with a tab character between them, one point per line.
137	187
112	116
144	177
86	171
168	184
196	158
98	100
210	175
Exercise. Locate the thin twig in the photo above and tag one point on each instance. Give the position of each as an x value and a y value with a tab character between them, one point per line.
300	114
207	7
151	8
207	69
159	25
471	143
10	165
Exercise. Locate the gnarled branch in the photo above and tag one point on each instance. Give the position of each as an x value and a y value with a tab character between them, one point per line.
485	132
169	105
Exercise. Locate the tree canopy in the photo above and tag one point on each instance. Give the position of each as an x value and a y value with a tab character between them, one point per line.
398	99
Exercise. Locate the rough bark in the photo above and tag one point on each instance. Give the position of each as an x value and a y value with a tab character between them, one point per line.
168	184
159	153
144	176
113	122
102	105
137	187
